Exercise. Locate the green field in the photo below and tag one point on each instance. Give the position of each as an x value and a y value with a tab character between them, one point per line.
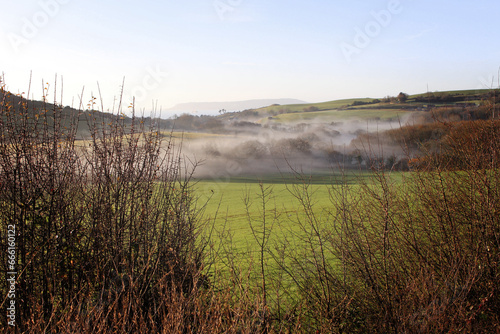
300	213
228	204
342	114
233	207
236	209
329	105
193	135
467	92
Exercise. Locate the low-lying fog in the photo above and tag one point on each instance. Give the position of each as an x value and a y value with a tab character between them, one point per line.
249	148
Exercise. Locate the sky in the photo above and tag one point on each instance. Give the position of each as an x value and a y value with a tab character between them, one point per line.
169	52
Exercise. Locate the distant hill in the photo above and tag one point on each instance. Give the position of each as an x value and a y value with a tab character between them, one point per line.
269	112
387	108
68	116
437	98
213	108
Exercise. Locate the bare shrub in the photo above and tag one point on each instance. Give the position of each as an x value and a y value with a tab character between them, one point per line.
107	230
416	252
250	149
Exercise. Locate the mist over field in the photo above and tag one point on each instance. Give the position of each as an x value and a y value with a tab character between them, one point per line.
249	148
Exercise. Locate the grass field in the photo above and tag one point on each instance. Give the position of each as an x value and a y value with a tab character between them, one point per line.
329	105
235	205
467	92
236	210
187	135
227	203
336	104
338	115
299	214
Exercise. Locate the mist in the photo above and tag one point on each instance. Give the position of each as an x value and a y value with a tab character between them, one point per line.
246	147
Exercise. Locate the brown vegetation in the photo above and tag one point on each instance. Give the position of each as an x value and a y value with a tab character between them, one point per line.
105	231
109	239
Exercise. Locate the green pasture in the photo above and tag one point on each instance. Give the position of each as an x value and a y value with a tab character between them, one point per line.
468	92
237	209
186	135
236	204
298	213
329	105
337	104
342	114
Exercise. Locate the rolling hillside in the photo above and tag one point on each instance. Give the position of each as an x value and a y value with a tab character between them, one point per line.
384	109
361	109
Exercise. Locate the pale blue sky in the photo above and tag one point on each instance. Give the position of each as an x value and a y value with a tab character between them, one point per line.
224	50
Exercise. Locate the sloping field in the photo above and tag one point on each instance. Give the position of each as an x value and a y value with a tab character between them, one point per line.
342	114
192	135
233	204
329	105
465	93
